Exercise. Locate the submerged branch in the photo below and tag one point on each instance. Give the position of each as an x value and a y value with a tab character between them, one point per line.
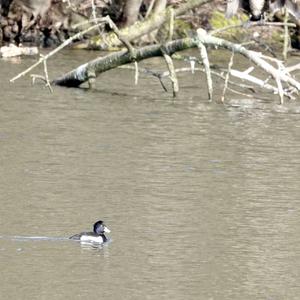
205	60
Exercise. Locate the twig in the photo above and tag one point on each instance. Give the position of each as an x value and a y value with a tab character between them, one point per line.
280	89
63	45
149	10
192	61
172	73
120	36
37	76
75	37
47	77
204	57
136	76
257	81
171	24
293	68
256	57
164	74
252	79
227	76
146	71
94	15
286	35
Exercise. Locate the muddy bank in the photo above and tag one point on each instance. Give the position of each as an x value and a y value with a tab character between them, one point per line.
44	22
49	23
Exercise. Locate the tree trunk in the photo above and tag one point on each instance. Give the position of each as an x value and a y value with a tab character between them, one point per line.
141	28
131	12
159	6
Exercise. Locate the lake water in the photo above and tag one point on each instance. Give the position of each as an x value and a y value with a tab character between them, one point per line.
202	199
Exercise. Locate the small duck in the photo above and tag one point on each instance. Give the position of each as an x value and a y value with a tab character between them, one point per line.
97	236
257	8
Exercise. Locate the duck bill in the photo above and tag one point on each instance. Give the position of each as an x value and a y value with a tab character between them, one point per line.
106	230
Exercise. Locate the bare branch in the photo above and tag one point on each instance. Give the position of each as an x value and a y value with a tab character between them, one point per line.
227	77
56	50
204	57
172	73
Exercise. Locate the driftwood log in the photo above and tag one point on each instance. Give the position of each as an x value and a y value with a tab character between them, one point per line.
285	84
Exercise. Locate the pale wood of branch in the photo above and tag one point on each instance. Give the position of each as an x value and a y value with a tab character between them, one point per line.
227	77
136	73
48	84
56	50
171	25
286	35
173	77
254	56
79	75
205	60
280	89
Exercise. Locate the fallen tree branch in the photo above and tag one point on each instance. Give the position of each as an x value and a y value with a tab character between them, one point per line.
227	77
254	56
244	76
205	60
106	20
63	45
80	75
286	35
172	73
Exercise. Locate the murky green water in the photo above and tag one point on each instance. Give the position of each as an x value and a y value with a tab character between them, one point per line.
202	198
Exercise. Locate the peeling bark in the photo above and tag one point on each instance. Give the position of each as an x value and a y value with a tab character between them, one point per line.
81	74
131	12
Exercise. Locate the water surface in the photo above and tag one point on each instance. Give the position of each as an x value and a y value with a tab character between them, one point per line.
202	199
